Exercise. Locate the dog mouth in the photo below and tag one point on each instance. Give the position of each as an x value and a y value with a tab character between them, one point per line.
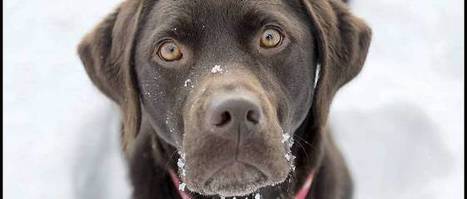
236	179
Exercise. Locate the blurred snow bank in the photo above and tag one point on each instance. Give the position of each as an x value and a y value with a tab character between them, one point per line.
99	170
395	152
60	137
400	122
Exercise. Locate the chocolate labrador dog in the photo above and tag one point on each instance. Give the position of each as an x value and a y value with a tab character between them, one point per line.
228	98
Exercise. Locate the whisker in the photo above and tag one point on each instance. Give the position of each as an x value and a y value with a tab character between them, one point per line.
303	149
170	158
297	136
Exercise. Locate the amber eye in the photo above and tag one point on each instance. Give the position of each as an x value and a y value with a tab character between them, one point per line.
169	51
270	38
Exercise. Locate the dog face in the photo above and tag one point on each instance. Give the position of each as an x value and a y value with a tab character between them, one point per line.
226	82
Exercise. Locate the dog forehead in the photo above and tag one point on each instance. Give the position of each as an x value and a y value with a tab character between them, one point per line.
212	8
217	3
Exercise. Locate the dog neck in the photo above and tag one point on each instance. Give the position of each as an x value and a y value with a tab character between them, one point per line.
301	194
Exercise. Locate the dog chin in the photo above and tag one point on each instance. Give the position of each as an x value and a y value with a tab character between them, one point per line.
236	179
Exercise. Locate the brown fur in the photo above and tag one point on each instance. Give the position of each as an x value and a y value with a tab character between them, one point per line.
342	41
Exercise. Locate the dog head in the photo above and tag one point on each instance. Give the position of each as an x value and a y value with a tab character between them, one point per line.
226	82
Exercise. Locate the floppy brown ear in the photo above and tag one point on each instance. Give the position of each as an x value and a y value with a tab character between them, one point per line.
343	41
106	53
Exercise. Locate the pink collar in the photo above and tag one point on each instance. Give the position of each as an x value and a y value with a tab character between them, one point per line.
302	193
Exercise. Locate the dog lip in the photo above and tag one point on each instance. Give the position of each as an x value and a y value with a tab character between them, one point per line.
229	164
235	183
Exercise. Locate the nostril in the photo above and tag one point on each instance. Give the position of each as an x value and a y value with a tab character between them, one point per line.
224	118
253	116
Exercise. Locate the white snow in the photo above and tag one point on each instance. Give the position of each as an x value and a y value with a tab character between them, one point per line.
60	133
285	137
182	155
399	124
287	156
217	69
188	83
258	196
181	166
180	163
288	141
182	187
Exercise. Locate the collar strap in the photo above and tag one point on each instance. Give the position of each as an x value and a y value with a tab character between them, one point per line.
180	187
301	194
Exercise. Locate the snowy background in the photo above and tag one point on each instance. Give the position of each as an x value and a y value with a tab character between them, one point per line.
400	123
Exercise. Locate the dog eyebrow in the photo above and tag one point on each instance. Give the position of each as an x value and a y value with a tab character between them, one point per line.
178	27
172	21
173	28
258	18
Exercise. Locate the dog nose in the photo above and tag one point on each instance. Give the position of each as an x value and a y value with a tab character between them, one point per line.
229	114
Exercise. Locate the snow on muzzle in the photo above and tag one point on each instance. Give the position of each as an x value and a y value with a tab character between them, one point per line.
232	143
